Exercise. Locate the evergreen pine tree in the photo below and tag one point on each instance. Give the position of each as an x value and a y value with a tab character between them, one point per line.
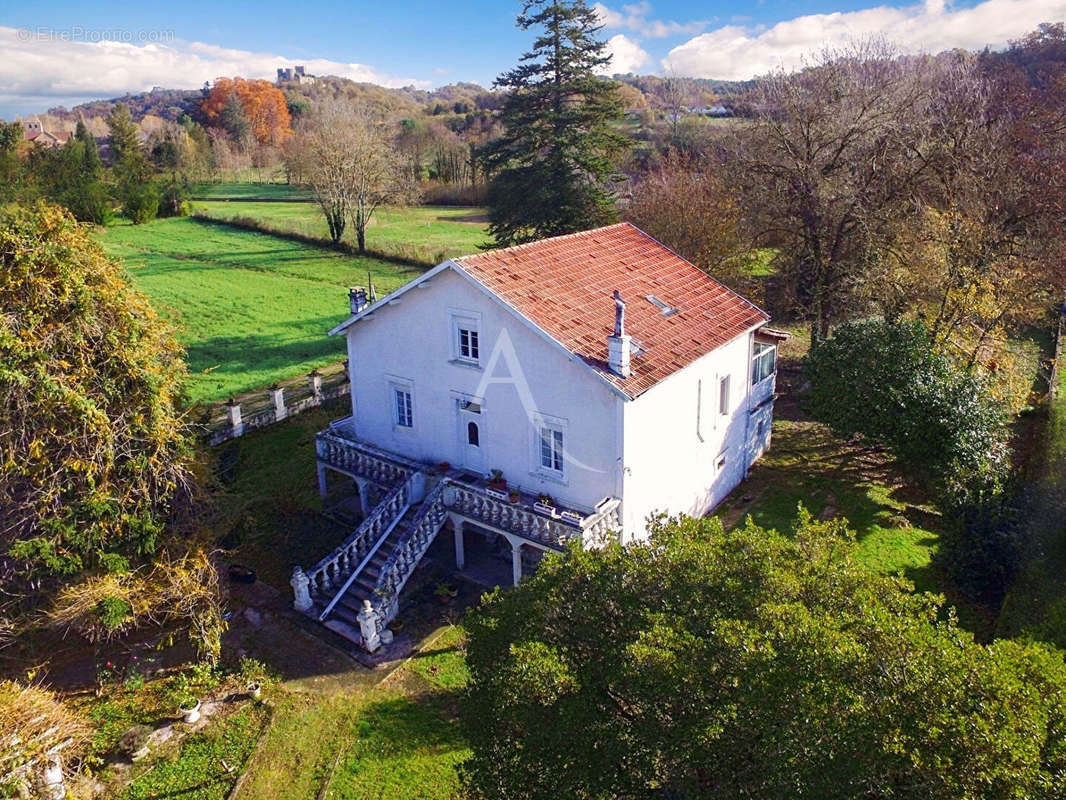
90	155
123	136
553	165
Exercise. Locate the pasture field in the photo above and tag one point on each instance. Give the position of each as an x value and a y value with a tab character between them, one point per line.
249	190
250	308
428	234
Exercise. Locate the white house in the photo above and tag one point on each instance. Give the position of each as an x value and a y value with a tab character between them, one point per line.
599	368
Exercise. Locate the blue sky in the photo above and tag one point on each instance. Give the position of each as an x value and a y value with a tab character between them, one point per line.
68	52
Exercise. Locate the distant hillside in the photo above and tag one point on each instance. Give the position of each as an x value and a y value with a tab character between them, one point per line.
456	98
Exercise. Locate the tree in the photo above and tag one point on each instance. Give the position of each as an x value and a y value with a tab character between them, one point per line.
686	204
746	664
90	153
552	166
126	153
829	162
350	161
888	382
94	448
244	106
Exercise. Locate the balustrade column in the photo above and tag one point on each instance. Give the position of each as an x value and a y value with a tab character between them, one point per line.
516	560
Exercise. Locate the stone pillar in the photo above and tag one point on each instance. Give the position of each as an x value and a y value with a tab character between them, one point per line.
516	560
277	397
416	487
364	495
368	627
301	590
322	490
460	545
236	422
315	381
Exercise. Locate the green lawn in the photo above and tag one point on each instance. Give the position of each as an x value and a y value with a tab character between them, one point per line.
424	233
250	190
250	308
808	464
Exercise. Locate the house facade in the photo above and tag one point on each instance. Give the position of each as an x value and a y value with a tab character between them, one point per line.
599	377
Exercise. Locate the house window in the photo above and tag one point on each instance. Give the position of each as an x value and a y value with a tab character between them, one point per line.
473	435
719	464
404	416
468	345
466	340
723	395
551	449
763	362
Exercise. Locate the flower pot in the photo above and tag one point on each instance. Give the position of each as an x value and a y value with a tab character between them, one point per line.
191	714
497	494
547	511
571	516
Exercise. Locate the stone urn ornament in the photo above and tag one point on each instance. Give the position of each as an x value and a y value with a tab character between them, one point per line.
255	690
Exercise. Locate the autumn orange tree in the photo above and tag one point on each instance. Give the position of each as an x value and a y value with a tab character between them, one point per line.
262	104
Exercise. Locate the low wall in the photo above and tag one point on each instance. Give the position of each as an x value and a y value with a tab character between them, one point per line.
288	399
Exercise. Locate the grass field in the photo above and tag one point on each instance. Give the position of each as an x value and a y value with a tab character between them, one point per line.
425	233
249	308
248	190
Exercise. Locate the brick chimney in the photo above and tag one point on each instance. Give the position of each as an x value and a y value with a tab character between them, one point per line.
357	298
619	345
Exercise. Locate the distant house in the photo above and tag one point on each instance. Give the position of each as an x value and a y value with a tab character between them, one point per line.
599	374
33	131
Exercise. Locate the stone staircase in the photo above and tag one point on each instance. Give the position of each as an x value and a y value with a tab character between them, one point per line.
374	563
350	603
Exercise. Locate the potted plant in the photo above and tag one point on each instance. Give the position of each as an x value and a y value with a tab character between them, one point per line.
545	504
444	467
497	485
446	592
571	516
189	708
514	495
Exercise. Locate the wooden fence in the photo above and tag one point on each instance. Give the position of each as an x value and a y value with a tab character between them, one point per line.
283	400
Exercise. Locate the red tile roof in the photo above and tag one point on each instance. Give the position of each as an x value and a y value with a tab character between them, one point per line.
565	285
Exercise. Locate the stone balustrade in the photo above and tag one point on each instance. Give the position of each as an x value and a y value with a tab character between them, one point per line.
473	503
362	460
600	528
328	576
403	560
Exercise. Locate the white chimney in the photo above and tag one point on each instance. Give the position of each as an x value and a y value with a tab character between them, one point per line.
357	298
619	345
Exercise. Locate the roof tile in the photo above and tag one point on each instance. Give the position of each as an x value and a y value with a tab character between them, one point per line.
565	285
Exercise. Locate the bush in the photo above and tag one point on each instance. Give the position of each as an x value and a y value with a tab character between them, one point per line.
744	664
174	198
885	381
141	203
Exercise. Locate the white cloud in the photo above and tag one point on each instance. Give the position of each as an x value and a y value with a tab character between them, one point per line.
45	64
737	52
626	55
634	17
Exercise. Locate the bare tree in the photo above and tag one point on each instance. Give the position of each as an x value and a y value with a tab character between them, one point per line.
828	164
349	160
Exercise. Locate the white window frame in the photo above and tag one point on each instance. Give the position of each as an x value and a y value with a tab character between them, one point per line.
769	352
470	321
558	425
396	385
725	395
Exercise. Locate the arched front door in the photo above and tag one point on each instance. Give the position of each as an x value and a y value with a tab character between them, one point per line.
471	436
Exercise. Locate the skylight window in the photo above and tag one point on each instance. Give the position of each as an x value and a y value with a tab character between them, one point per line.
666	309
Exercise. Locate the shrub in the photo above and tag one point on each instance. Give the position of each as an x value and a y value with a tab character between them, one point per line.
885	380
707	663
141	203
